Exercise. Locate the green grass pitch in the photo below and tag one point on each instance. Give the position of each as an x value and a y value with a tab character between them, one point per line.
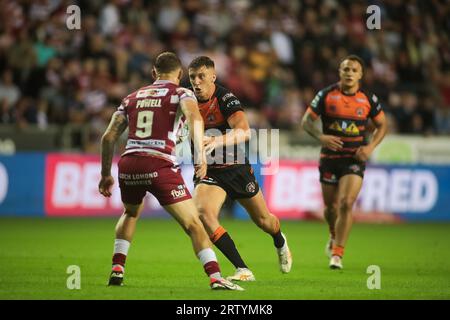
35	252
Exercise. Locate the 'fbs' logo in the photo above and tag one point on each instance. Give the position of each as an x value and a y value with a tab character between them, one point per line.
180	193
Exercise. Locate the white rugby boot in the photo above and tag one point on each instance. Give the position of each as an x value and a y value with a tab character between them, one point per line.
242	274
284	257
336	262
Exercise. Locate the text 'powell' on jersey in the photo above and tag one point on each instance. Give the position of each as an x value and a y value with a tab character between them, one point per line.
154	118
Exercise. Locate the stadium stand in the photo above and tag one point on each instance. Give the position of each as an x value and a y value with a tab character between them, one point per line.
273	54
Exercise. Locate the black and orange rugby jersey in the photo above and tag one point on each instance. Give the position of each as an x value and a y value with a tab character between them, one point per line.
345	116
215	113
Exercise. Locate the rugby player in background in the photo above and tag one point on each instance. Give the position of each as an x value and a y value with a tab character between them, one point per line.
152	115
345	110
228	173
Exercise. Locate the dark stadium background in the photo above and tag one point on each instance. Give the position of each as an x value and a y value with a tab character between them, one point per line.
59	88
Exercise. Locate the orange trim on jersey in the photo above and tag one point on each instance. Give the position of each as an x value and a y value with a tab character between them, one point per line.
217	234
313	114
378	115
352	139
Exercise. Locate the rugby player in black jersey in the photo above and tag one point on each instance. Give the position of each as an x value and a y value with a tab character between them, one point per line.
345	109
229	174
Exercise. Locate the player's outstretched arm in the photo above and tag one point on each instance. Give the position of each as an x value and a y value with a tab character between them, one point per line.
328	141
363	153
116	127
194	119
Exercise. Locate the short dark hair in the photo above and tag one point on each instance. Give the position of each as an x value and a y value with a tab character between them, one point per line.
354	57
167	62
200	62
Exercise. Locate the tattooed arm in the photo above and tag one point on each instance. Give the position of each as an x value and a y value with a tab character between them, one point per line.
116	127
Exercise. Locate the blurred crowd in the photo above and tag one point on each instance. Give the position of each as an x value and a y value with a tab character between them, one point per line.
274	55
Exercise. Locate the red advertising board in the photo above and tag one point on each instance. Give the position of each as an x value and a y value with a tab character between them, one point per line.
71	188
294	192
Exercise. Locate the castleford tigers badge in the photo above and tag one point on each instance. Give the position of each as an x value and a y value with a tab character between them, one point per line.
359	112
